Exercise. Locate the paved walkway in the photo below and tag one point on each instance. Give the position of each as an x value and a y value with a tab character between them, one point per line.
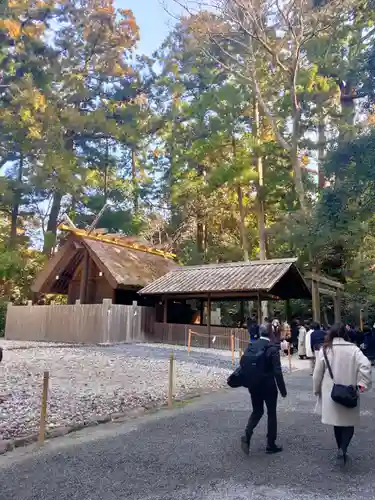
192	453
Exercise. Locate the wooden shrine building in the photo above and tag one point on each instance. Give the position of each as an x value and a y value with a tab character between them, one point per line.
91	267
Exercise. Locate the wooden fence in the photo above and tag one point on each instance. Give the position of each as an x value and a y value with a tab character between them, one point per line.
219	338
110	323
79	323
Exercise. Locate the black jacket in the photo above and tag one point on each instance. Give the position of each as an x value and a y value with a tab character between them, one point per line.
317	339
274	374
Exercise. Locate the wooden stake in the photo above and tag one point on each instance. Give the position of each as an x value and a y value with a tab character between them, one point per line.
232	347
189	341
289	358
170	385
43	409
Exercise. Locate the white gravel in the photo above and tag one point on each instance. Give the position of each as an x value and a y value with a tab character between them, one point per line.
92	381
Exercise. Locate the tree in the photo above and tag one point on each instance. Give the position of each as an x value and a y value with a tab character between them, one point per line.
241	33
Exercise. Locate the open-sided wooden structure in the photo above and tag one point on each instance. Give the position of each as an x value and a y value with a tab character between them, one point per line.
241	281
89	268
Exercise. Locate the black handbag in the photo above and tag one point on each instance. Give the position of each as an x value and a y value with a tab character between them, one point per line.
236	379
345	395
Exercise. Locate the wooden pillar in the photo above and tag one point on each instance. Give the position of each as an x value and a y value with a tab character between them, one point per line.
242	312
259	309
288	311
209	319
84	278
165	310
315	300
201	312
337	306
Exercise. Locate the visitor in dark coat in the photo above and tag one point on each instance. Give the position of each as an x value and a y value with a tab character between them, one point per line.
317	337
369	344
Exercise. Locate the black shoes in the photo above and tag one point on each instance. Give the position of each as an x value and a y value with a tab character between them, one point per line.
273	449
245	445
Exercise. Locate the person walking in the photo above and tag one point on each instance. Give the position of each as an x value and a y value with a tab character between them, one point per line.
348	367
369	344
316	341
302	341
253	328
309	351
262	371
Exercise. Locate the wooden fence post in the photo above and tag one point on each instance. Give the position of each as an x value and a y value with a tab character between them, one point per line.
189	341
43	409
170	384
232	347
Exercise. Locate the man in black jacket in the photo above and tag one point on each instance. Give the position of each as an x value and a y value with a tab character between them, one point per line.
265	392
317	338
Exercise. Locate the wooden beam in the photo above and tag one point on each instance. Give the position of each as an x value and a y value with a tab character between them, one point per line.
209	319
326	281
259	309
325	291
288	311
84	278
242	312
219	296
315	301
165	309
201	312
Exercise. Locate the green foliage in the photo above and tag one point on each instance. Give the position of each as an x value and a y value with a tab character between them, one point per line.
170	143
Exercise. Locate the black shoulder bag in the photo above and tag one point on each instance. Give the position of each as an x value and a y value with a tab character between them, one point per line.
345	395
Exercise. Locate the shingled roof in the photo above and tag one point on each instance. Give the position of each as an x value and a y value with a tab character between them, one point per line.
122	265
280	278
128	266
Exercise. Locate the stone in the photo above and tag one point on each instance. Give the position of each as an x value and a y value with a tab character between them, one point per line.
25	440
59	432
5	445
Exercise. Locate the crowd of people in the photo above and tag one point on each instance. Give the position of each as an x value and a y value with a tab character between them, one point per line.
306	337
341	359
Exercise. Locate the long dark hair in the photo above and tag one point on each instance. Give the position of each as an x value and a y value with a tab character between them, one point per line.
337	331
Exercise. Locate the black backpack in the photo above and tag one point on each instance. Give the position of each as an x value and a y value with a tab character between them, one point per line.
254	365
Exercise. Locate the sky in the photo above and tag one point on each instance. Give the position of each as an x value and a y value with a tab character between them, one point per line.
153	20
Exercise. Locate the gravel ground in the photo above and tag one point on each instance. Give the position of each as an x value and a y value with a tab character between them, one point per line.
192	453
88	382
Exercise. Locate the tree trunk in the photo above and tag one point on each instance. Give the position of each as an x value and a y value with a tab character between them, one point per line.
243	232
298	182
321	150
17	194
201	219
258	163
347	111
241	209
105	190
135	182
50	237
200	234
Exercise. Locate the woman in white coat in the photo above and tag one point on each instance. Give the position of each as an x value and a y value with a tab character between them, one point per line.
302	341
350	367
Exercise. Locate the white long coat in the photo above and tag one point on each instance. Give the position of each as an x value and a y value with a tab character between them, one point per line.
309	351
302	341
350	367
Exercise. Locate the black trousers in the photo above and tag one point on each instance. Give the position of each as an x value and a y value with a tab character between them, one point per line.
258	399
343	437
